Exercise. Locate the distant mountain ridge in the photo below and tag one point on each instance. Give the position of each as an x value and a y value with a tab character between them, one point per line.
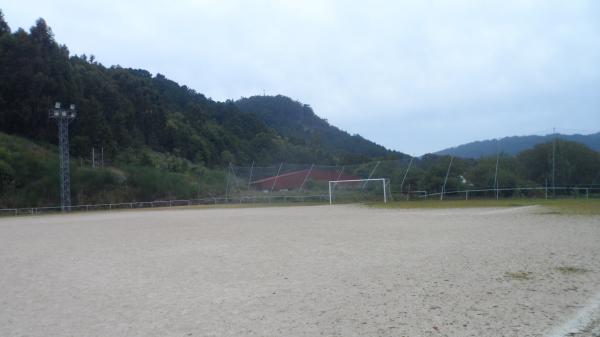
515	144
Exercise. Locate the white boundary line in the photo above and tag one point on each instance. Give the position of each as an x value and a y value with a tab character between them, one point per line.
582	321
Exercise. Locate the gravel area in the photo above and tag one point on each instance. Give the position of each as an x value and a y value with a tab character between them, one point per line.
298	271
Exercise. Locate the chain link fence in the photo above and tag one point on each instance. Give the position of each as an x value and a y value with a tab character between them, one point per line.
405	180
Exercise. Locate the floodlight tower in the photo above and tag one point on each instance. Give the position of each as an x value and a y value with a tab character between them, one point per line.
63	117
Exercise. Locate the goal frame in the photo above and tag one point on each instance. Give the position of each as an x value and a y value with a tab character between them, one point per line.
383	183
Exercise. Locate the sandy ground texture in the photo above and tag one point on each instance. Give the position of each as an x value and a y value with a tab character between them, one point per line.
300	271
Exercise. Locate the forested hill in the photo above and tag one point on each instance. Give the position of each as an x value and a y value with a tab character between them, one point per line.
301	125
128	111
516	144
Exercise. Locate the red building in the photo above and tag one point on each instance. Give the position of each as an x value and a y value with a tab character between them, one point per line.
293	180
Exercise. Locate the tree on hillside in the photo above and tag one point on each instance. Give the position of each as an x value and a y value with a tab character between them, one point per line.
574	164
127	109
4	28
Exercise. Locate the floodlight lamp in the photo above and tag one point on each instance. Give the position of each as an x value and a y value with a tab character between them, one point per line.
57	105
72	107
64	114
56	113
72	115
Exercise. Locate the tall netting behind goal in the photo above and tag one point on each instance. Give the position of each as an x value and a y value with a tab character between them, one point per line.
426	178
359	190
301	182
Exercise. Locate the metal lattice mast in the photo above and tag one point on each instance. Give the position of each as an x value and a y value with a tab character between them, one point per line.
63	117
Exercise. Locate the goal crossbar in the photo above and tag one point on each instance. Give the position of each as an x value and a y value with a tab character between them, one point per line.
383	183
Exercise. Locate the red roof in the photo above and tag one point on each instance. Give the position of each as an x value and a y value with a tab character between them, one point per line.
293	180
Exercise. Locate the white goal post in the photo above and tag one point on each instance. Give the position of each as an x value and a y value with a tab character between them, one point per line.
335	182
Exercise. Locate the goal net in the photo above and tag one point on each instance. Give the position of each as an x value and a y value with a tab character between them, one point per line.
358	190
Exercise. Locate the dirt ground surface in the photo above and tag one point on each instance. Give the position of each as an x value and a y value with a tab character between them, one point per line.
301	271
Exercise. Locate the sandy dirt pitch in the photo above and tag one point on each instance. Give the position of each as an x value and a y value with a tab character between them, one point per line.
299	271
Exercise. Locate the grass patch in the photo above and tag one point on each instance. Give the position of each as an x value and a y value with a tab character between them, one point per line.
553	206
453	203
572	270
574	206
519	275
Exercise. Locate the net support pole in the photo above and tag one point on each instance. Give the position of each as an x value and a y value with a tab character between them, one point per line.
233	180
371	174
306	177
276	177
405	174
227	183
446	179
250	176
553	163
496	174
383	180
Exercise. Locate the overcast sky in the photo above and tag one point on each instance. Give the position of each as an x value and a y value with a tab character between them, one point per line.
415	76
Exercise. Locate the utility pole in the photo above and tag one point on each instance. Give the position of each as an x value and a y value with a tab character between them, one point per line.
63	117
